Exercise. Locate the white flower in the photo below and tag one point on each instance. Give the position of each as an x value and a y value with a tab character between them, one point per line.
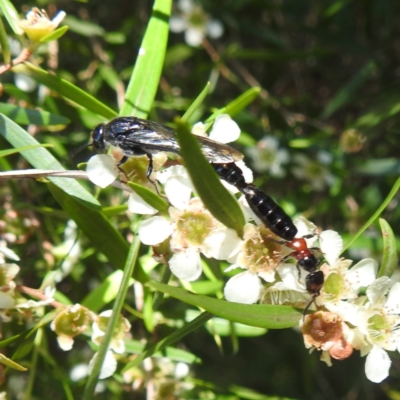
25	83
225	129
101	170
379	321
195	23
260	258
99	327
316	173
38	25
137	205
268	157
108	367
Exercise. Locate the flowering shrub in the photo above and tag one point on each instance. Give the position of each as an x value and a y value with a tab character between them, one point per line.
116	272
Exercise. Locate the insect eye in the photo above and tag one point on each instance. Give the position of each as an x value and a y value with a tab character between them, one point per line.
98	142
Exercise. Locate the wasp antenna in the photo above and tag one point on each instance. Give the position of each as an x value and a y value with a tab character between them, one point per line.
80	148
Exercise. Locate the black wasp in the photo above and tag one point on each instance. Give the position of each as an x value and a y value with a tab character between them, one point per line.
278	222
136	136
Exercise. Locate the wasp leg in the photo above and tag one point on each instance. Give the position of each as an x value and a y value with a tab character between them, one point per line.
123	160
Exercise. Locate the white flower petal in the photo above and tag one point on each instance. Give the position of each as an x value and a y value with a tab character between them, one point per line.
377	365
331	245
109	365
9	253
178	191
137	205
290	277
101	170
363	273
378	289
199	129
6	301
222	244
186	265
215	29
177	24
392	305
243	288
65	342
25	83
305	227
79	372
194	36
154	230
225	129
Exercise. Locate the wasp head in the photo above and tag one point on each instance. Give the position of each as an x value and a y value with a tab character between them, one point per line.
97	136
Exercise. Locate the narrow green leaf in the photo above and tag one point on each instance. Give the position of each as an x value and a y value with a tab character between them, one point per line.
54	35
105	292
4	153
40	158
222	205
27	116
236	105
377	213
259	315
66	89
174	337
84	28
129	269
137	347
96	227
150	197
196	104
389	259
5	46
11	16
145	77
348	91
223	327
10	363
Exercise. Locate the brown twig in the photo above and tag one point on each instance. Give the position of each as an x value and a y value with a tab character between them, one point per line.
25	54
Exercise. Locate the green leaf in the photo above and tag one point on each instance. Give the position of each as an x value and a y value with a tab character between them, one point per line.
137	347
222	205
27	116
223	327
84	28
259	315
235	106
349	90
196	104
96	227
105	292
40	158
10	363
54	35
4	153
377	213
11	16
389	259
65	89
174	337
5	46
129	270
150	197
145	77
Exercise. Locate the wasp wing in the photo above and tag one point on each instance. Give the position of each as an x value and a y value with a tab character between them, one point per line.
152	137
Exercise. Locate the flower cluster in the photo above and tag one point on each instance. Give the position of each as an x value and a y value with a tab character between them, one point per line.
347	320
195	23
